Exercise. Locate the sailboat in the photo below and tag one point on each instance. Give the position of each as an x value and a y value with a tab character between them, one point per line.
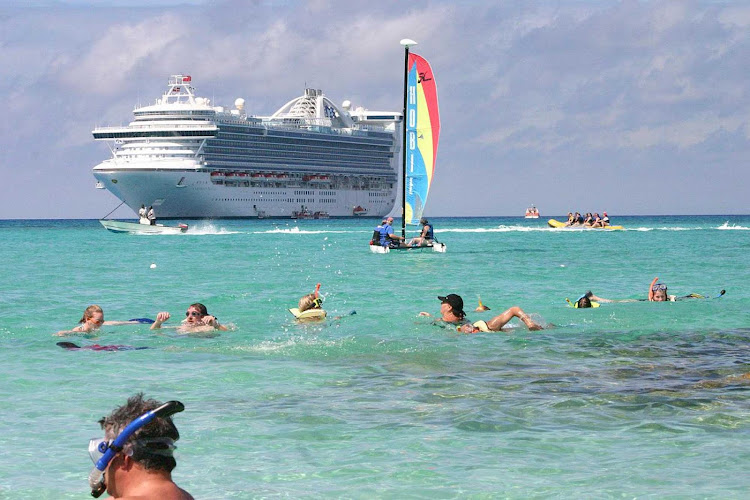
421	131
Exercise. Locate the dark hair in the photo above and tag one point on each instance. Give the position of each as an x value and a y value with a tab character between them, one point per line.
160	427
200	308
584	302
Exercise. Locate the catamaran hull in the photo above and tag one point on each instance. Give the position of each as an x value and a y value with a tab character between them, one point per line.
191	194
436	247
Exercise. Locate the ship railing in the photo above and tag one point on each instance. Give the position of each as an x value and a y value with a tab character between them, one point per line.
323	125
163	127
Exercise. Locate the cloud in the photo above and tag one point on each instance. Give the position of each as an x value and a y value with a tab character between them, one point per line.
112	59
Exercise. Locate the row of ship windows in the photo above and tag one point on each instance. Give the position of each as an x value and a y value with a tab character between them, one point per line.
288	200
227	161
339	140
376	194
274	144
300	155
176	113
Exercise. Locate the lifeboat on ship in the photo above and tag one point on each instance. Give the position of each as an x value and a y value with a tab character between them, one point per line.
358	211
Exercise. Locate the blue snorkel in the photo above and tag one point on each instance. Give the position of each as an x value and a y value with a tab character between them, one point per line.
96	478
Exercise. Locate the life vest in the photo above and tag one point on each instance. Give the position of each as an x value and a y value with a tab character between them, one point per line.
375	240
430	235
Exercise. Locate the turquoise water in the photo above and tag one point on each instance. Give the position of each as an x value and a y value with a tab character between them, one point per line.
627	400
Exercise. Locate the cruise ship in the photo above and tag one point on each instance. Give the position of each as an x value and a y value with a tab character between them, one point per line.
189	158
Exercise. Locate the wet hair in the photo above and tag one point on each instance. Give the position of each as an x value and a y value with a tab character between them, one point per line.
306	302
160	427
89	312
584	302
201	308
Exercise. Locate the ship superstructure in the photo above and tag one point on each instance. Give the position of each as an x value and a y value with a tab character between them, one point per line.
191	159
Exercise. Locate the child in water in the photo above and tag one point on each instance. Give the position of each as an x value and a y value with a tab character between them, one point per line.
310	307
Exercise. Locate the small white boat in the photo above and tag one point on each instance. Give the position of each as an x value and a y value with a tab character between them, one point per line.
117	226
532	213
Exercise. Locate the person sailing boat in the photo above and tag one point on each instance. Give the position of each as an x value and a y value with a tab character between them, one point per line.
426	237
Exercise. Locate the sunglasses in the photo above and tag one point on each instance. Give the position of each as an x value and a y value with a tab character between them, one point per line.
193	313
659	286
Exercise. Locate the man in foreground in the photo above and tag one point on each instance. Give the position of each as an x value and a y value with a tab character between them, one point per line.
134	460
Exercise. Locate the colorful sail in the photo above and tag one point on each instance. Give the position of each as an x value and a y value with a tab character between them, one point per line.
422	134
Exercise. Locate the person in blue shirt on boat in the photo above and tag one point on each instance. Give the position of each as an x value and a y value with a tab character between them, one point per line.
391	239
426	237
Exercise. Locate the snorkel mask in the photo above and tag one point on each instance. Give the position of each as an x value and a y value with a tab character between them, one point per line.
103	451
317	301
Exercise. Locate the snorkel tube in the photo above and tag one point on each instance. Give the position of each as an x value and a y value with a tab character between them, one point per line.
96	477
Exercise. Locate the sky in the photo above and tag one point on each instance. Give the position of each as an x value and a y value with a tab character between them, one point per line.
629	107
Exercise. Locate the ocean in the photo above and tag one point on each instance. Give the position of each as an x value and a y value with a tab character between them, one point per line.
629	400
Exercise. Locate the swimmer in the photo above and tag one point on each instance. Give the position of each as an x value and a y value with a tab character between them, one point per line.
93	319
70	346
588	299
451	311
196	319
310	307
657	292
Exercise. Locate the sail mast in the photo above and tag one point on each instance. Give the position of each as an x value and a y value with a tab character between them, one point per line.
406	42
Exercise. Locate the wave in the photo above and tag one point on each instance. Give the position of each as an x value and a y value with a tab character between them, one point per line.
207	228
735	227
499	229
297	230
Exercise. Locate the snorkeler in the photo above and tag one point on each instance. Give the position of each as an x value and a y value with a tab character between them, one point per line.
93	319
135	459
657	292
196	319
310	307
452	312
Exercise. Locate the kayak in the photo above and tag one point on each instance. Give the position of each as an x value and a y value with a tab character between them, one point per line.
556	224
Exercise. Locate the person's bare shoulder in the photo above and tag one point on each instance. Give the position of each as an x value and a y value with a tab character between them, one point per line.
172	492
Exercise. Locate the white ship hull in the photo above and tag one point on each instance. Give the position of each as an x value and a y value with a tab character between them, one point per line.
190	194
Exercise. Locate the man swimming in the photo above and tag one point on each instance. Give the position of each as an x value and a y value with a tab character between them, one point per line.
452	312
